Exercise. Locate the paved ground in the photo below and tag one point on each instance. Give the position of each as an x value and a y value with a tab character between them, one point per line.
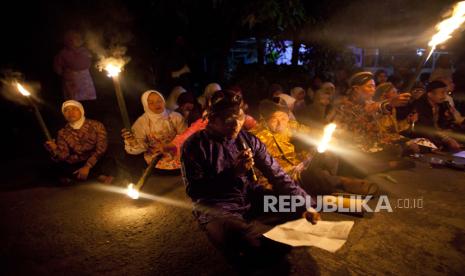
93	229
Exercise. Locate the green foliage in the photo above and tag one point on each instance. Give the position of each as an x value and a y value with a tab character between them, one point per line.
274	15
326	58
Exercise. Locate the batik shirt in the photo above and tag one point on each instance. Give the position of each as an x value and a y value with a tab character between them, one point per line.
359	125
86	144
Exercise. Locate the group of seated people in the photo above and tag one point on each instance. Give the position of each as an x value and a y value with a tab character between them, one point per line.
216	145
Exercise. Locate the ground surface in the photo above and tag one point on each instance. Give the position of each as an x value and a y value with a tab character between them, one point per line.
89	229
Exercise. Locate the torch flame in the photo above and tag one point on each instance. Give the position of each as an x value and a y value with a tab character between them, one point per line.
447	27
113	70
132	192
328	133
22	90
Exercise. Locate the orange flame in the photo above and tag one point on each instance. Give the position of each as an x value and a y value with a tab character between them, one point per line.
447	27
22	90
132	191
328	133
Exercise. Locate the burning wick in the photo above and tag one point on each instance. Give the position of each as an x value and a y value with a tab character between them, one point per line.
113	67
328	133
37	113
112	70
132	192
22	90
445	29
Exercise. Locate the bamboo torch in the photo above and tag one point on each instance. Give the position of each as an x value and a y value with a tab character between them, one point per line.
37	113
113	71
444	31
315	156
133	189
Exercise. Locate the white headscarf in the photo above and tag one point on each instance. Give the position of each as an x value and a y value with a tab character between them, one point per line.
208	92
328	87
296	90
288	100
78	124
152	115
171	103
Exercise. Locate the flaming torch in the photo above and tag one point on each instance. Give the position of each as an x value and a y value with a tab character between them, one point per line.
133	189
327	135
444	31
37	113
314	156
113	67
323	144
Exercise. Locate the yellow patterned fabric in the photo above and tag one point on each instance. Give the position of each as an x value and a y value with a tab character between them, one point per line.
279	145
391	127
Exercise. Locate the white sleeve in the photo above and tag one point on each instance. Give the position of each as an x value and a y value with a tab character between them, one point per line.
139	134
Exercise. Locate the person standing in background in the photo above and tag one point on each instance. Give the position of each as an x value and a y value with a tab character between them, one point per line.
72	64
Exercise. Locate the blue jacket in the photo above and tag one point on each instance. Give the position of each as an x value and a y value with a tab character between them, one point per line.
207	169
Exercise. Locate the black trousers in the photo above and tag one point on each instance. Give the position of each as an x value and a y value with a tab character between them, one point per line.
241	239
320	178
105	165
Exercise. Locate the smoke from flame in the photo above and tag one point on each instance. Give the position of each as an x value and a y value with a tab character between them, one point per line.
113	61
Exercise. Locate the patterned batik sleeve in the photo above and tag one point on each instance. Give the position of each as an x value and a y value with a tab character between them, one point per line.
62	151
100	146
140	144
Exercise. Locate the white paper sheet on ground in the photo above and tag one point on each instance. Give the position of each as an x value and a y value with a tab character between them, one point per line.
460	154
327	235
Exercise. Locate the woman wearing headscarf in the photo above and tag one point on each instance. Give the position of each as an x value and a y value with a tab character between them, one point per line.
154	131
72	63
171	103
298	93
289	101
207	93
189	108
320	111
80	146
